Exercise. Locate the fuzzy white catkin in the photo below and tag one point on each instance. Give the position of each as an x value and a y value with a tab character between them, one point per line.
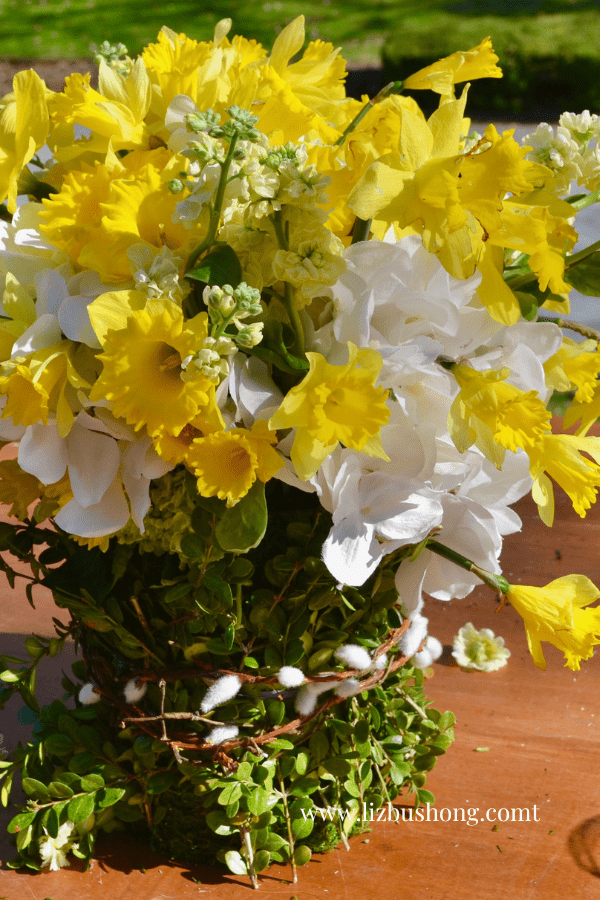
354	656
290	676
134	691
430	652
306	699
381	662
348	688
220	691
222	733
411	640
87	695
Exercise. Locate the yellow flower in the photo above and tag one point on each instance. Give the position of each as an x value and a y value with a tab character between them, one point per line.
99	213
335	404
559	455
227	463
554	614
24	126
466	65
142	369
574	365
494	415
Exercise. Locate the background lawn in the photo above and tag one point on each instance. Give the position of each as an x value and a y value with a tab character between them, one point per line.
66	28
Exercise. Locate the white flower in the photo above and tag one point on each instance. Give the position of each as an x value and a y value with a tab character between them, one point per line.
87	695
582	127
290	676
354	656
559	152
222	690
134	692
53	851
479	650
222	733
156	274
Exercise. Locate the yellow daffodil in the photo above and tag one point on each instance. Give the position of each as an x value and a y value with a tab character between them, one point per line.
141	373
559	456
574	365
554	614
466	65
24	124
335	404
494	415
227	463
100	212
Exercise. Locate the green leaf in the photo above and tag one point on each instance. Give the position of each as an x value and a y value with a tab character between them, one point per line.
261	860
36	789
251	663
161	781
272	349
59	744
220	266
82	762
446	721
230	793
301	828
302	855
275	710
280	744
24	837
92	782
304	786
337	766
236	863
109	796
425	796
243	526
585	276
258	801
528	305
80	808
361	732
59	791
10	677
318	745
217	821
302	760
20	821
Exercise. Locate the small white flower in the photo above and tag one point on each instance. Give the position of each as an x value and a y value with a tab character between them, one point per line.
133	691
222	733
87	695
53	851
480	650
354	656
220	691
290	676
348	688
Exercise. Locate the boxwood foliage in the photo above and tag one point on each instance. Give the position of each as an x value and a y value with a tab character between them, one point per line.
551	63
181	615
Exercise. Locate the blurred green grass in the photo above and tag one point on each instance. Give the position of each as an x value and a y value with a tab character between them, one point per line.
66	28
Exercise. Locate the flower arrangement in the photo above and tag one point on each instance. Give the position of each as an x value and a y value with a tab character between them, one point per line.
276	363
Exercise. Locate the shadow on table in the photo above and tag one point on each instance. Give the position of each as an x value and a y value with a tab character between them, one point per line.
584	844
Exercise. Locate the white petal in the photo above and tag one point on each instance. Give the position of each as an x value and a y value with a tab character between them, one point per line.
138	491
94	461
75	321
44	332
351	551
103	518
50	290
43	453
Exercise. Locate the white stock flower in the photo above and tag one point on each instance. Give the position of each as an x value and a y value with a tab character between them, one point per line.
480	650
559	152
156	274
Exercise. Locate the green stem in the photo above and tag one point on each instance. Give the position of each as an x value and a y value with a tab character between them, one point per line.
215	214
585	330
288	822
521	281
582	201
394	87
496	582
288	293
361	230
247	840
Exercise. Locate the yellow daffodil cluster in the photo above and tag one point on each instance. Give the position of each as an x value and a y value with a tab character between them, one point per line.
208	270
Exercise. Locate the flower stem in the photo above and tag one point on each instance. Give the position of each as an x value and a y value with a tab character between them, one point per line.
496	582
250	854
288	822
578	327
288	293
215	214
